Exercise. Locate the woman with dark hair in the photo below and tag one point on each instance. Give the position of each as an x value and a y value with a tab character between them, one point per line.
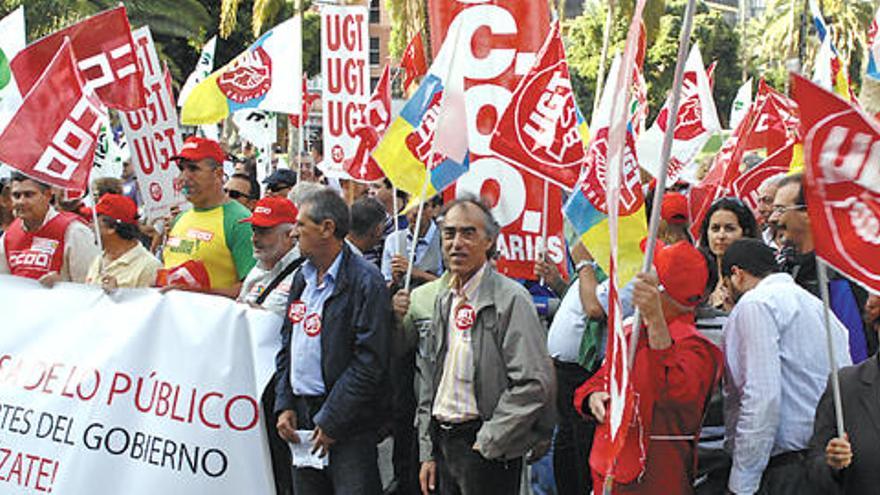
727	220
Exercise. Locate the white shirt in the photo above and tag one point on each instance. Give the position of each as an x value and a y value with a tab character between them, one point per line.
567	328
80	250
776	368
259	278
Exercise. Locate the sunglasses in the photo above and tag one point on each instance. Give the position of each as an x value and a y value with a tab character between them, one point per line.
232	193
278	187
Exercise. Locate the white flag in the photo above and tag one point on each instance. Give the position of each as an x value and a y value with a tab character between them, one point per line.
12	42
741	104
203	69
696	122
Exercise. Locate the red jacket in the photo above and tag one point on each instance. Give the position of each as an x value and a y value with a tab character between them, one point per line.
671	389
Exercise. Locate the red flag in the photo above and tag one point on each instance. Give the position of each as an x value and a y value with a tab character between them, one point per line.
710	73
376	120
841	182
746	186
105	53
52	137
413	61
308	98
540	129
776	123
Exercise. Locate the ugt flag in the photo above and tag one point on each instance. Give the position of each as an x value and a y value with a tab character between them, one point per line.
52	137
12	42
375	121
696	122
266	76
105	53
542	130
425	150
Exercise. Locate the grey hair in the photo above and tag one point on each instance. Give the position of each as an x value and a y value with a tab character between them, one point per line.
325	204
490	225
301	190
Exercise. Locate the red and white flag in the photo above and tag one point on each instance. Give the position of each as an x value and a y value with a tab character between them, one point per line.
375	121
841	182
746	186
541	130
413	61
52	137
105	53
696	122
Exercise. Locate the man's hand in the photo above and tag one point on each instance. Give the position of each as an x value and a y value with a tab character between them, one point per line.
838	452
400	303
428	477
597	401
50	279
646	297
538	451
399	266
109	283
286	426
321	442
549	273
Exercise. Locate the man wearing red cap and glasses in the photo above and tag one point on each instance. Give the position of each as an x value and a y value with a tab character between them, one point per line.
125	262
675	370
210	233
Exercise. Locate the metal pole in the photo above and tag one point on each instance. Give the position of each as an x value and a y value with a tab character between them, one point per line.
683	48
832	356
603	57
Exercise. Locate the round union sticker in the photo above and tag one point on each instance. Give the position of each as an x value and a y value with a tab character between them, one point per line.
297	312
464	317
312	326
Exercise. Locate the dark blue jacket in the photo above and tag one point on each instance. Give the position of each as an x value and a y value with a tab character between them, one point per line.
355	350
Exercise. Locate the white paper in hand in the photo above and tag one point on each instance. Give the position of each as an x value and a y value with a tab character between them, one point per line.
301	453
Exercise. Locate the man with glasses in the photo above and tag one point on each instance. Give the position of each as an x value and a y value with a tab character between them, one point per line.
210	232
244	189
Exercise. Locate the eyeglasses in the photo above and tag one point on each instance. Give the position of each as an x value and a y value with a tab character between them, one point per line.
779	209
467	233
232	193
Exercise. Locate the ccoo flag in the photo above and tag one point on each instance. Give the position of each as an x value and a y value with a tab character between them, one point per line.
266	76
425	150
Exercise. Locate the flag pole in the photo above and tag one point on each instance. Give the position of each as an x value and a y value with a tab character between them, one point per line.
654	226
544	208
603	57
832	356
401	247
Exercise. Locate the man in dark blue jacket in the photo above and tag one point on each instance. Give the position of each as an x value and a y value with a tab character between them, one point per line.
332	366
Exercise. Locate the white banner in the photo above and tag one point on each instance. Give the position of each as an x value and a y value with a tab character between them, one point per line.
152	134
345	57
135	393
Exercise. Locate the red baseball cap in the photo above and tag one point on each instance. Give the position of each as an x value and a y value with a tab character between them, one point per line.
271	211
197	148
682	271
674	208
117	207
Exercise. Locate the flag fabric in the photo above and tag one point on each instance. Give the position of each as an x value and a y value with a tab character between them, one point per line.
741	104
829	70
422	149
12	42
745	187
841	182
710	73
262	77
874	47
106	56
375	121
413	61
696	122
203	69
298	120
542	130
53	135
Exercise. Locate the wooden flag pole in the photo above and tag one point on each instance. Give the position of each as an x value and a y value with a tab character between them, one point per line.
832	356
654	226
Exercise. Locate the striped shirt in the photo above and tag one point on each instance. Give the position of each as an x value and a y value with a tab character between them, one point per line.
455	401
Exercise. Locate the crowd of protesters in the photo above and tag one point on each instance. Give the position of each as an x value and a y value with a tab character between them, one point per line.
483	385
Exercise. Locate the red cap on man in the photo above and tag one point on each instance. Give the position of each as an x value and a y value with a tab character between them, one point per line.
117	207
682	271
197	148
271	211
674	208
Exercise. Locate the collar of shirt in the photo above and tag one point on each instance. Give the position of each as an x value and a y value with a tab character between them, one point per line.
129	255
425	239
775	278
310	272
50	214
468	291
354	249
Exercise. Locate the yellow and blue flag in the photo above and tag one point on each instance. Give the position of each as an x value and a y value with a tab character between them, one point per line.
266	76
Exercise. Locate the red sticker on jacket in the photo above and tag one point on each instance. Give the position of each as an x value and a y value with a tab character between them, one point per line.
312	326
464	317
297	312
